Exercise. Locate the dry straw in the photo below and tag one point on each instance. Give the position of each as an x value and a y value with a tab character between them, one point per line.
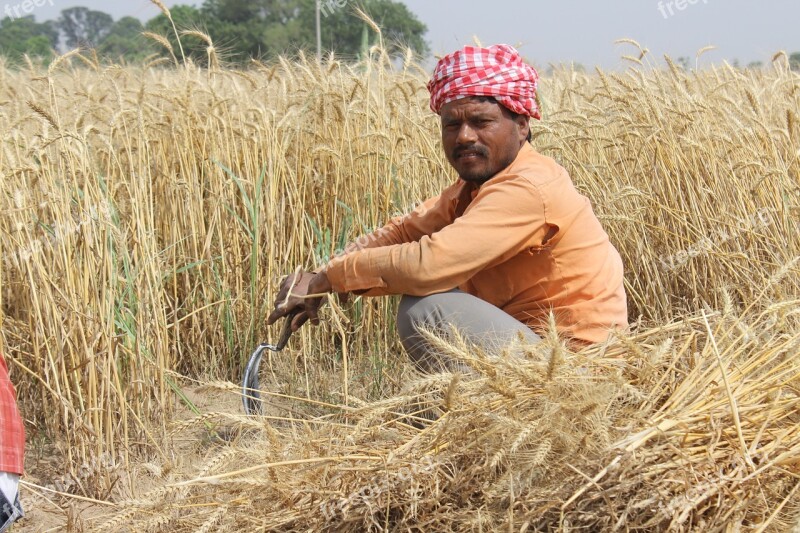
602	440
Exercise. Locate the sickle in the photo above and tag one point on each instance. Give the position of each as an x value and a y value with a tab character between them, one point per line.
251	397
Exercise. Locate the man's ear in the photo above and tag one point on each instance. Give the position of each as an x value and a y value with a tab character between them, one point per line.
523	126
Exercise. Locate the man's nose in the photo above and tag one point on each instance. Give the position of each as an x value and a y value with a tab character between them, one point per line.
466	135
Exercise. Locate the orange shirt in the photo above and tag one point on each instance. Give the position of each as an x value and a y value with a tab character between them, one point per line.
525	241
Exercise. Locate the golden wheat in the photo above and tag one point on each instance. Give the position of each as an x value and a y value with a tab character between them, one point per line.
149	214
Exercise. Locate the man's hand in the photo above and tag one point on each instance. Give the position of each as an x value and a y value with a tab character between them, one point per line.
300	293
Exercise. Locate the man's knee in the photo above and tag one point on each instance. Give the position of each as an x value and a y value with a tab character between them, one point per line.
407	319
414	314
428	311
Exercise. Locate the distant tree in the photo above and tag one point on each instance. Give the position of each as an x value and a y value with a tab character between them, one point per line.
256	28
124	40
185	17
83	27
575	67
243	12
26	36
755	65
342	30
240	29
794	61
685	62
266	28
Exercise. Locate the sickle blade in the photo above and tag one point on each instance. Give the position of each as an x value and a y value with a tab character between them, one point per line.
251	397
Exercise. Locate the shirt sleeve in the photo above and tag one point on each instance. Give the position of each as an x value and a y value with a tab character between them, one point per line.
505	218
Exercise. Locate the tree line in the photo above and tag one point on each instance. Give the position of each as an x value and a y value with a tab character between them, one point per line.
239	29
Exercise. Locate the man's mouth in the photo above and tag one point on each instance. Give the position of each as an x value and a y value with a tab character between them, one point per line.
469	154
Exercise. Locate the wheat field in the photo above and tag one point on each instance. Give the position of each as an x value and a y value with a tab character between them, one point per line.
150	212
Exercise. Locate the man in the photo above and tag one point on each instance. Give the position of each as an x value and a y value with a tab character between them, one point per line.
12	448
498	251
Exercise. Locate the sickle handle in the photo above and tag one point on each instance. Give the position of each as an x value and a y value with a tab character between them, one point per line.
286	332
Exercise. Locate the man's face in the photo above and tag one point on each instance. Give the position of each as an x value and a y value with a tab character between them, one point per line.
481	137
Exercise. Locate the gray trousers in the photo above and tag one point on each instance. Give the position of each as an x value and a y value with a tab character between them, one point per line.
477	321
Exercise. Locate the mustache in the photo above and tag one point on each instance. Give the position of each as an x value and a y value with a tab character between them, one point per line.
476	149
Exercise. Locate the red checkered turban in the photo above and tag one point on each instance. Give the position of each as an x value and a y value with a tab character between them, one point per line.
497	71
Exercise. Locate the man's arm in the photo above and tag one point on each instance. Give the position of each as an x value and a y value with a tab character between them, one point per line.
426	219
300	294
506	217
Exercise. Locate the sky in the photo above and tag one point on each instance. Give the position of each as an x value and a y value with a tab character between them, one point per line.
579	31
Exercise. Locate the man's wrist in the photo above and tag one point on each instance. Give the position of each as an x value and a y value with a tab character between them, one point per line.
320	284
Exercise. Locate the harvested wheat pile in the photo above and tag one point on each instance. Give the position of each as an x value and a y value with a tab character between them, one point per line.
694	426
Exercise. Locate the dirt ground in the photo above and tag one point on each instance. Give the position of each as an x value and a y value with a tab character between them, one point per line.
47	511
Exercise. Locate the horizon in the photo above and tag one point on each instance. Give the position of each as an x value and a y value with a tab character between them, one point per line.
678	28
